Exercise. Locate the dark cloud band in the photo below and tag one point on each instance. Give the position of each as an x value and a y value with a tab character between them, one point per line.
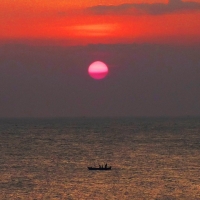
145	8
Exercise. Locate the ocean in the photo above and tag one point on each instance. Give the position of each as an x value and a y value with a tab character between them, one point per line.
151	158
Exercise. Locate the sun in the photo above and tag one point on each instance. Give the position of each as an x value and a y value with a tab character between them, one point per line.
98	70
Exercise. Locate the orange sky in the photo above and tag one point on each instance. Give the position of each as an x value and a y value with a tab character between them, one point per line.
71	23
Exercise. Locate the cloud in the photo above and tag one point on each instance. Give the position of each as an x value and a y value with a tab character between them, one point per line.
145	8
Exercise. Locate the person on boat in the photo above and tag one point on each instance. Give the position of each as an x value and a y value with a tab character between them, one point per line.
106	165
99	166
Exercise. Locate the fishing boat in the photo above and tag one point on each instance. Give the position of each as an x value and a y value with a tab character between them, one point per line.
100	168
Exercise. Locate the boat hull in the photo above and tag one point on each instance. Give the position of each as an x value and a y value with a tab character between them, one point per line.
97	168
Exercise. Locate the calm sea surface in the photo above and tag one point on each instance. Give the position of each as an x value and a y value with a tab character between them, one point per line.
150	158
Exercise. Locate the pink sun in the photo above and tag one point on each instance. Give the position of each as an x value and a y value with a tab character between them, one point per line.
98	70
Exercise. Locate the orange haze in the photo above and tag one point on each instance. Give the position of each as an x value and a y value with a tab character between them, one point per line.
70	24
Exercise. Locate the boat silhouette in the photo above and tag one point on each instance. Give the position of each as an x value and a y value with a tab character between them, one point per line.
100	168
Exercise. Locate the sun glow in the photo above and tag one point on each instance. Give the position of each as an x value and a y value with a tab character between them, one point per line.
96	30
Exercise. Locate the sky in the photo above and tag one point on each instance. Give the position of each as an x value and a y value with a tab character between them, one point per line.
151	48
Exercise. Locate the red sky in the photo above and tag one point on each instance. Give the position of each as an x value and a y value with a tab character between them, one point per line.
81	22
44	58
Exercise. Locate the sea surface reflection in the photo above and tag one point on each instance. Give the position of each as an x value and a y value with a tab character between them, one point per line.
151	158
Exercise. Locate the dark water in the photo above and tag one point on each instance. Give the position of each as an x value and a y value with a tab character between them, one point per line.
150	158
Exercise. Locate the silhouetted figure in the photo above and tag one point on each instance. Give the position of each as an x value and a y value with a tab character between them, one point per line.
99	166
106	165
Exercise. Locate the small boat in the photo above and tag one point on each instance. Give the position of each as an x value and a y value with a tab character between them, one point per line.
99	168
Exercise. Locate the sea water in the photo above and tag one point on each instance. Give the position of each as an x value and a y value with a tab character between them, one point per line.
151	158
